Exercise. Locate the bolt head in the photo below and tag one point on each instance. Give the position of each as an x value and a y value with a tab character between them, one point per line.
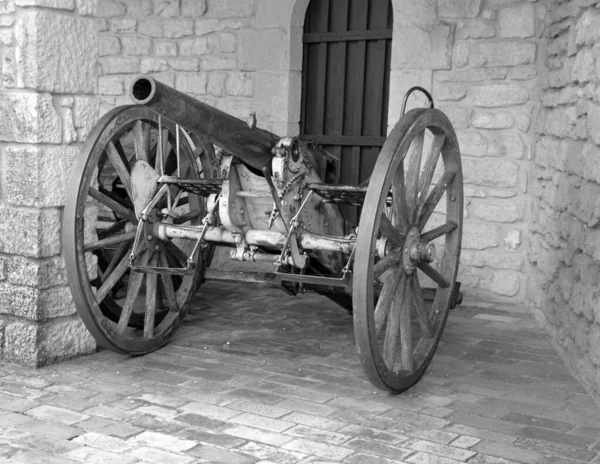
150	237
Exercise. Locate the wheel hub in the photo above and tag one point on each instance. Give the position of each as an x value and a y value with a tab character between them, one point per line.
415	251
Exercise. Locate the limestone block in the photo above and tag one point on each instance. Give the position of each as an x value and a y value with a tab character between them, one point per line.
193	8
240	84
240	108
87	7
499	95
471	74
416	48
414	13
453	92
587	29
151	28
193	46
512	239
85	114
472	143
207	26
522	121
139	8
223	42
477	236
274	13
590	156
177	28
152	65
37	176
7	37
9	72
475	29
191	83
111	8
497	210
584	66
276	95
188	64
119	65
488	120
496	260
461	54
63	339
29	118
165	48
593	122
215	62
7	20
523	73
257	53
166	8
495	172
29	232
20	341
123	25
502	282
56	302
507	144
109	45
230	8
459	115
38	273
7	6
57	4
135	45
459	8
52	62
517	21
216	84
503	54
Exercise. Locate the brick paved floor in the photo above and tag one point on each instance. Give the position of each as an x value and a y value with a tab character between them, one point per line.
257	376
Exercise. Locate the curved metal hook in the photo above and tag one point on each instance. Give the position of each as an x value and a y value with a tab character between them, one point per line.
411	90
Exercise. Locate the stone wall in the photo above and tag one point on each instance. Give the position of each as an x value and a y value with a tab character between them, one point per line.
478	57
564	238
47	104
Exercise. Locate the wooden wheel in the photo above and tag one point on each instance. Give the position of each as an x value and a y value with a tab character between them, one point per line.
396	330
127	311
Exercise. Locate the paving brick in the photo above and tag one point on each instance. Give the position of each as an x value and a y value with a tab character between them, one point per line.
258	396
209	410
261	422
314	421
425	458
373	434
258	435
506	451
318	449
162	440
159	456
379	449
555	449
204	422
162	400
556	437
51	429
320	435
104	442
54	414
258	408
271	453
202	436
480	433
536	421
210	454
362	458
451	452
97	456
307	407
465	442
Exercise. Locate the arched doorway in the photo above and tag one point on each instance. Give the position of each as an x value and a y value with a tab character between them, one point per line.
345	81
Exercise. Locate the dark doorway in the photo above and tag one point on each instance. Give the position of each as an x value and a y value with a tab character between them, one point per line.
345	82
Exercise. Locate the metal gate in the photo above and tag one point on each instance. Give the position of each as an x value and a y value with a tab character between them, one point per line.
345	82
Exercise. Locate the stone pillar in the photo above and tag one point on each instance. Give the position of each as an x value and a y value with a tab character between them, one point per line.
47	106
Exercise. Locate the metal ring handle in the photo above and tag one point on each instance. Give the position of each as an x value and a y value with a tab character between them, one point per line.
411	90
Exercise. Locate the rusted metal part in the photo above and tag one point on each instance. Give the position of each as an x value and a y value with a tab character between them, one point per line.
252	145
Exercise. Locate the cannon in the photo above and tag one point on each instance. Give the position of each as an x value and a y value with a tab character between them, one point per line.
162	182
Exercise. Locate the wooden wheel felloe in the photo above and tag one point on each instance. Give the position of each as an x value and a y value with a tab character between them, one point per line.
396	330
127	311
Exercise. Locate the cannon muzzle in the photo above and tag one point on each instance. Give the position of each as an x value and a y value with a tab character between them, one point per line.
251	145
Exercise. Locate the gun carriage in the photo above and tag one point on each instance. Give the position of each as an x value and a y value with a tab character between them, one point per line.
162	182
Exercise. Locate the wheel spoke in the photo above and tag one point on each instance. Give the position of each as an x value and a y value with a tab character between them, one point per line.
399	218
419	304
430	165
112	204
386	263
439	231
123	249
119	162
116	227
391	232
385	299
164	149
135	284
111	280
406	326
151	287
108	241
168	286
412	177
392	327
141	141
426	208
434	275
176	253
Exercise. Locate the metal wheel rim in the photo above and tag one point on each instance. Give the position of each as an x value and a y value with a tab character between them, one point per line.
393	153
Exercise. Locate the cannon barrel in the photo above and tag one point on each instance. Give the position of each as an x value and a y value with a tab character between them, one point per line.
251	145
